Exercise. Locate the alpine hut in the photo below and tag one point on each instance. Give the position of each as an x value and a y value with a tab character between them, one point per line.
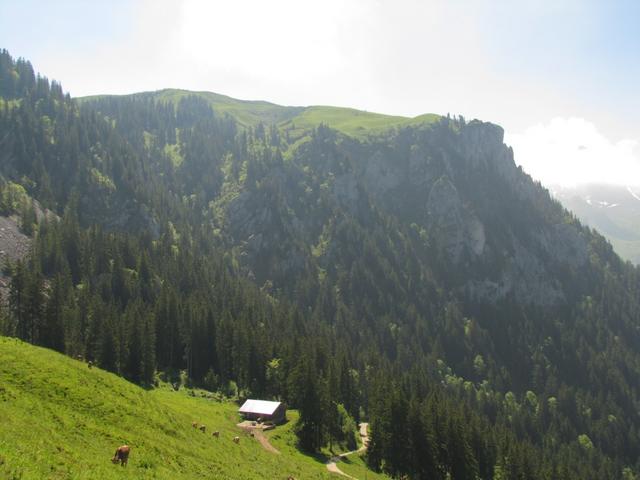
263	410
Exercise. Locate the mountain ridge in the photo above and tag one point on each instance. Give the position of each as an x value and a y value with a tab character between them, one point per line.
249	112
611	209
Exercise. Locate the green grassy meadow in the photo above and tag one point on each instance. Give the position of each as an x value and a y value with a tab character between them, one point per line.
352	122
61	420
354	466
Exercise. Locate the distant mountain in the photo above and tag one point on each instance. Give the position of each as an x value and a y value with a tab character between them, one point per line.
613	210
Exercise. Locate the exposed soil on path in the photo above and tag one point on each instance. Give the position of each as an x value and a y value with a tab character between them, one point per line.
264	441
257	432
333	468
332	463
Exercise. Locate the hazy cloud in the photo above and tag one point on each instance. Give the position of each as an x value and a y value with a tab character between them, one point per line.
571	151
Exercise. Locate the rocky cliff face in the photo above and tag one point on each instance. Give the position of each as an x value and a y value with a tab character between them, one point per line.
500	232
455	228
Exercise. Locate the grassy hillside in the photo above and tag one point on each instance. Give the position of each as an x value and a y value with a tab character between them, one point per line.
59	419
246	112
349	121
354	465
353	122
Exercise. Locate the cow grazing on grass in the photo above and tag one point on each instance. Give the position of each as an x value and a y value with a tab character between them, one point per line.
121	455
216	434
194	424
202	428
236	439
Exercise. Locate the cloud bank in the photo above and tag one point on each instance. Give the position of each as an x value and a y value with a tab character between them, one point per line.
572	151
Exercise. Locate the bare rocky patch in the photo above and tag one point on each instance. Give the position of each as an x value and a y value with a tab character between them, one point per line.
14	245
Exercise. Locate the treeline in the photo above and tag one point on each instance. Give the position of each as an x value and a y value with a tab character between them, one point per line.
260	261
134	305
421	431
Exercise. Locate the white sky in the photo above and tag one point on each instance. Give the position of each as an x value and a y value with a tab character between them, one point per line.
571	151
554	73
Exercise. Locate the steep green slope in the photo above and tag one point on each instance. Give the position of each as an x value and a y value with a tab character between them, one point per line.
59	419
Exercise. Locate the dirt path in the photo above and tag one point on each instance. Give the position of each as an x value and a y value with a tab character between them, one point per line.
333	468
332	463
256	431
264	441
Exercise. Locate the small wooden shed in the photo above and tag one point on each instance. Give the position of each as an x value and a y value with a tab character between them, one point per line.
265	410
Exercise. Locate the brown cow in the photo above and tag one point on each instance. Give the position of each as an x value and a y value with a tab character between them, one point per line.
202	428
216	434
194	424
236	439
121	455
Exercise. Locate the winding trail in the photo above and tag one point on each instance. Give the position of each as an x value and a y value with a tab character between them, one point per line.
333	461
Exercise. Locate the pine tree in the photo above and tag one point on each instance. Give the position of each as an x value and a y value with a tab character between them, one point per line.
54	328
28	218
310	427
18	300
148	361
108	348
135	344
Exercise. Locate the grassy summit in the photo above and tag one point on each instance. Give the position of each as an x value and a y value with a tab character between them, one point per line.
356	123
59	420
246	112
353	122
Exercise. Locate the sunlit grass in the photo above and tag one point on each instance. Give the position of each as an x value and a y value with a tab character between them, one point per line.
355	466
356	123
59	420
